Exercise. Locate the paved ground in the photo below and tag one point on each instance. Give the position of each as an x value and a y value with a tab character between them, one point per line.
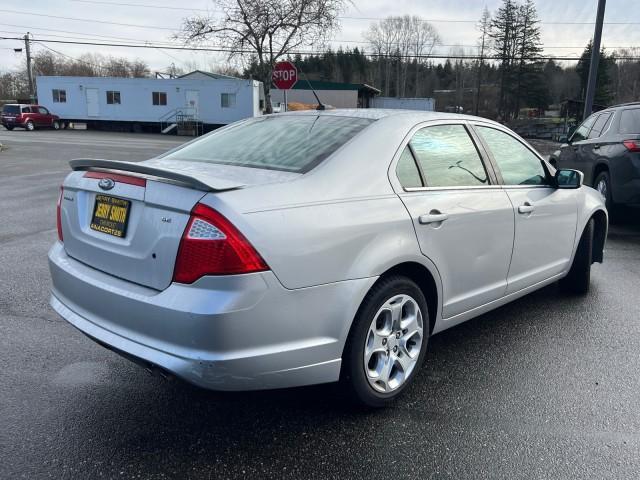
547	387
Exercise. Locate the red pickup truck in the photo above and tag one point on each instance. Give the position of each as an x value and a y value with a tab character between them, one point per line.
28	117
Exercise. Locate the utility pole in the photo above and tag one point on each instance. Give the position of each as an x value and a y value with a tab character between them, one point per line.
32	93
595	60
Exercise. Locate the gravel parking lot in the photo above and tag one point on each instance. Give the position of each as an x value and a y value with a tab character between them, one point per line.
546	387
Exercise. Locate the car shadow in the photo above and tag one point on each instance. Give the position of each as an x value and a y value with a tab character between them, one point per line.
185	426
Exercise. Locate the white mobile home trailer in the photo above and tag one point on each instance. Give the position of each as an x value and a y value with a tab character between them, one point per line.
151	103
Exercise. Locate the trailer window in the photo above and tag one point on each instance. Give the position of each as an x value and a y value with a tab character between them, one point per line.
59	96
113	98
292	143
159	98
227	100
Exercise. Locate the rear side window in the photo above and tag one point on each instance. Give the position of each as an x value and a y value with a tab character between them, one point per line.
600	125
293	143
13	109
630	121
407	170
518	164
27	110
448	157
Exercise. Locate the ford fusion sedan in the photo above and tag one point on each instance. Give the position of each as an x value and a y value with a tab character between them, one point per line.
315	247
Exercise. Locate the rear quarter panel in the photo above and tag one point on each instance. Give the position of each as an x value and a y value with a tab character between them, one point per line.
340	221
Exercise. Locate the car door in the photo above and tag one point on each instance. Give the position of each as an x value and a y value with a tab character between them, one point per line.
594	147
545	216
571	151
29	113
44	117
463	219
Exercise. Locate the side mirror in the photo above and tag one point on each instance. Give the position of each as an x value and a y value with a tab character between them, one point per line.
563	138
567	178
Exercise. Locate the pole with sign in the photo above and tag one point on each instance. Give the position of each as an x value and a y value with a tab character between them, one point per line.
284	77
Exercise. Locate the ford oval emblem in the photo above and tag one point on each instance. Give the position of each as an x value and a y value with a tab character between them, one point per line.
106	184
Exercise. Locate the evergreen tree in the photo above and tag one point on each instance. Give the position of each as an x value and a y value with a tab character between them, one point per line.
603	95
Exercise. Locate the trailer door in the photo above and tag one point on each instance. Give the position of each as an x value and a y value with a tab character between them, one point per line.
93	102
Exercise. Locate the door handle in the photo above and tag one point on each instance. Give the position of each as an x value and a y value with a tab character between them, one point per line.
596	146
526	208
432	217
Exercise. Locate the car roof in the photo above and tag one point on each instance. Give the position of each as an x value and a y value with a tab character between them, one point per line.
379	113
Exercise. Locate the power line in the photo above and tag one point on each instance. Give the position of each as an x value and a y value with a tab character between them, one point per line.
173	29
94	35
431	20
143	5
346	17
301	52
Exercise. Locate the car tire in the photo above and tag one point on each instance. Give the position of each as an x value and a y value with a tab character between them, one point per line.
579	277
8	127
55	125
398	347
30	126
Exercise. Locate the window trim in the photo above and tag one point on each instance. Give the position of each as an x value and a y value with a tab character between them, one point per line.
113	92
484	159
159	104
494	164
57	99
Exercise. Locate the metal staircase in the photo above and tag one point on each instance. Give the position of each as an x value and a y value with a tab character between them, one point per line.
182	121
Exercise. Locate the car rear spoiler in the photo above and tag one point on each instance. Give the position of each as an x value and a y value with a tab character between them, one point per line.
205	183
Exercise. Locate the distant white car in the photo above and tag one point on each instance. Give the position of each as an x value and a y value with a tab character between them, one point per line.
309	247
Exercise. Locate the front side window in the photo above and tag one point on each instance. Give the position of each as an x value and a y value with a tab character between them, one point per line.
582	131
600	125
59	96
113	98
159	98
43	111
293	143
630	121
518	164
448	157
407	170
227	100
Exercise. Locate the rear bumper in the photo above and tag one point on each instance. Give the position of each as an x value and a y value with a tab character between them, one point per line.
241	332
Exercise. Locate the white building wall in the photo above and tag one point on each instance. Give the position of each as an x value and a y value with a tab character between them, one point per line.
335	98
424	104
136	99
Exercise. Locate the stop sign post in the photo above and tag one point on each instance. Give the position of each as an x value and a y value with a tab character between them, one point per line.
284	77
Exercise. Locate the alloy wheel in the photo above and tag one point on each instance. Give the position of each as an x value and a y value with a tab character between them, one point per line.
602	188
393	343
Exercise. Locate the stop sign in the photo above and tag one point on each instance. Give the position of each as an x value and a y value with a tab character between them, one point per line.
284	75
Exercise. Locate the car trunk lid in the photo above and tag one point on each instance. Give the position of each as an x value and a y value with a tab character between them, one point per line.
158	197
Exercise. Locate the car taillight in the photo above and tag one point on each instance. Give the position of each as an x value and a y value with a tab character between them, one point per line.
632	145
211	245
59	214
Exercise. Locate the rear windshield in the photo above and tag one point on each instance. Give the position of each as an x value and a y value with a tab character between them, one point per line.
11	109
630	121
293	143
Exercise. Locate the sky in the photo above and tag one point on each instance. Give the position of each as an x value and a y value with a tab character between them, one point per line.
154	21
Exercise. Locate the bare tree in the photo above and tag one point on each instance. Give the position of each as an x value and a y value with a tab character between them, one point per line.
268	29
402	37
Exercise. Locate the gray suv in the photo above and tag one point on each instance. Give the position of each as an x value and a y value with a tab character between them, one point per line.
606	148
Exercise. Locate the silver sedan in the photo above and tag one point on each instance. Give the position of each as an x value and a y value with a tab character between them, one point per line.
313	247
